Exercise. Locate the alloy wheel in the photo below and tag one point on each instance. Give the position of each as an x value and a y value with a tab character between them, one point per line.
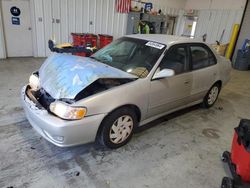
213	94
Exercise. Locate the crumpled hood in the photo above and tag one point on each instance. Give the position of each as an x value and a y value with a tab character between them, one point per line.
64	76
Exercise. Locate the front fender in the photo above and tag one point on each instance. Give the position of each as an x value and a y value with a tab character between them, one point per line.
134	93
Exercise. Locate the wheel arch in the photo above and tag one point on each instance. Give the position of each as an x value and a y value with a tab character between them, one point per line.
131	106
204	103
218	82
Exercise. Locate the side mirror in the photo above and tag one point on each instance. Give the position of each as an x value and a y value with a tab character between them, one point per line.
164	73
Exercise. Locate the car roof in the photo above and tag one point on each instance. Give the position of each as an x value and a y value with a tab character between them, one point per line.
168	40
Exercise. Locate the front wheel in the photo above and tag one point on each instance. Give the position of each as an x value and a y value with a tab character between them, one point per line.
211	96
118	128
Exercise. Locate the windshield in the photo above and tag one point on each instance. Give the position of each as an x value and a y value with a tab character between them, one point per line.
134	56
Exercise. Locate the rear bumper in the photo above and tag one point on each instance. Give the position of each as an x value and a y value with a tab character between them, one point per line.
60	132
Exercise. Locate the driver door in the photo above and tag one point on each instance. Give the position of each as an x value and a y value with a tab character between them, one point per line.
172	92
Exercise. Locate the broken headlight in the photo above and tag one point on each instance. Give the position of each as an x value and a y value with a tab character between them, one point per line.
67	112
34	81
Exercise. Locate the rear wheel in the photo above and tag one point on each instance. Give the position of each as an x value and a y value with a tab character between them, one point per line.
118	127
211	96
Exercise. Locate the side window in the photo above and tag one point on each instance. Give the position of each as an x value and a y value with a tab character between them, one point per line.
175	59
201	57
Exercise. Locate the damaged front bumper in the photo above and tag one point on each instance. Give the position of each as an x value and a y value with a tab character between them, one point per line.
60	132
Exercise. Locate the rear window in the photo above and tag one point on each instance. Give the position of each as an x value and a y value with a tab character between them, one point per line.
201	57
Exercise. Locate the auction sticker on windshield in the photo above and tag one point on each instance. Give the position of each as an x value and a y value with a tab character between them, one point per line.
155	45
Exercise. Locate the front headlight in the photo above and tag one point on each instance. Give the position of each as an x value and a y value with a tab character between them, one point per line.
34	82
65	111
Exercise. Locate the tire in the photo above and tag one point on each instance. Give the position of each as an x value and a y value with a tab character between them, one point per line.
211	96
227	183
114	134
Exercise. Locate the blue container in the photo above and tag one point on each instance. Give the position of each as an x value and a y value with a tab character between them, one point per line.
242	60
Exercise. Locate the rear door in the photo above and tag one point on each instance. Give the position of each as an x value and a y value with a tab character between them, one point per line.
204	69
172	92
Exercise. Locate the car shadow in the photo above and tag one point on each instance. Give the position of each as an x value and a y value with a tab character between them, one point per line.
98	147
166	118
36	142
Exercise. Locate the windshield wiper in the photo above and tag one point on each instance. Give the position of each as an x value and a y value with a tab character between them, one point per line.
92	57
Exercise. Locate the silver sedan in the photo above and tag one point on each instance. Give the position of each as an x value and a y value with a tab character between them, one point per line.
136	79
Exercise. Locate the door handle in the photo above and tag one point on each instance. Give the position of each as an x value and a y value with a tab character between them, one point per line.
186	82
